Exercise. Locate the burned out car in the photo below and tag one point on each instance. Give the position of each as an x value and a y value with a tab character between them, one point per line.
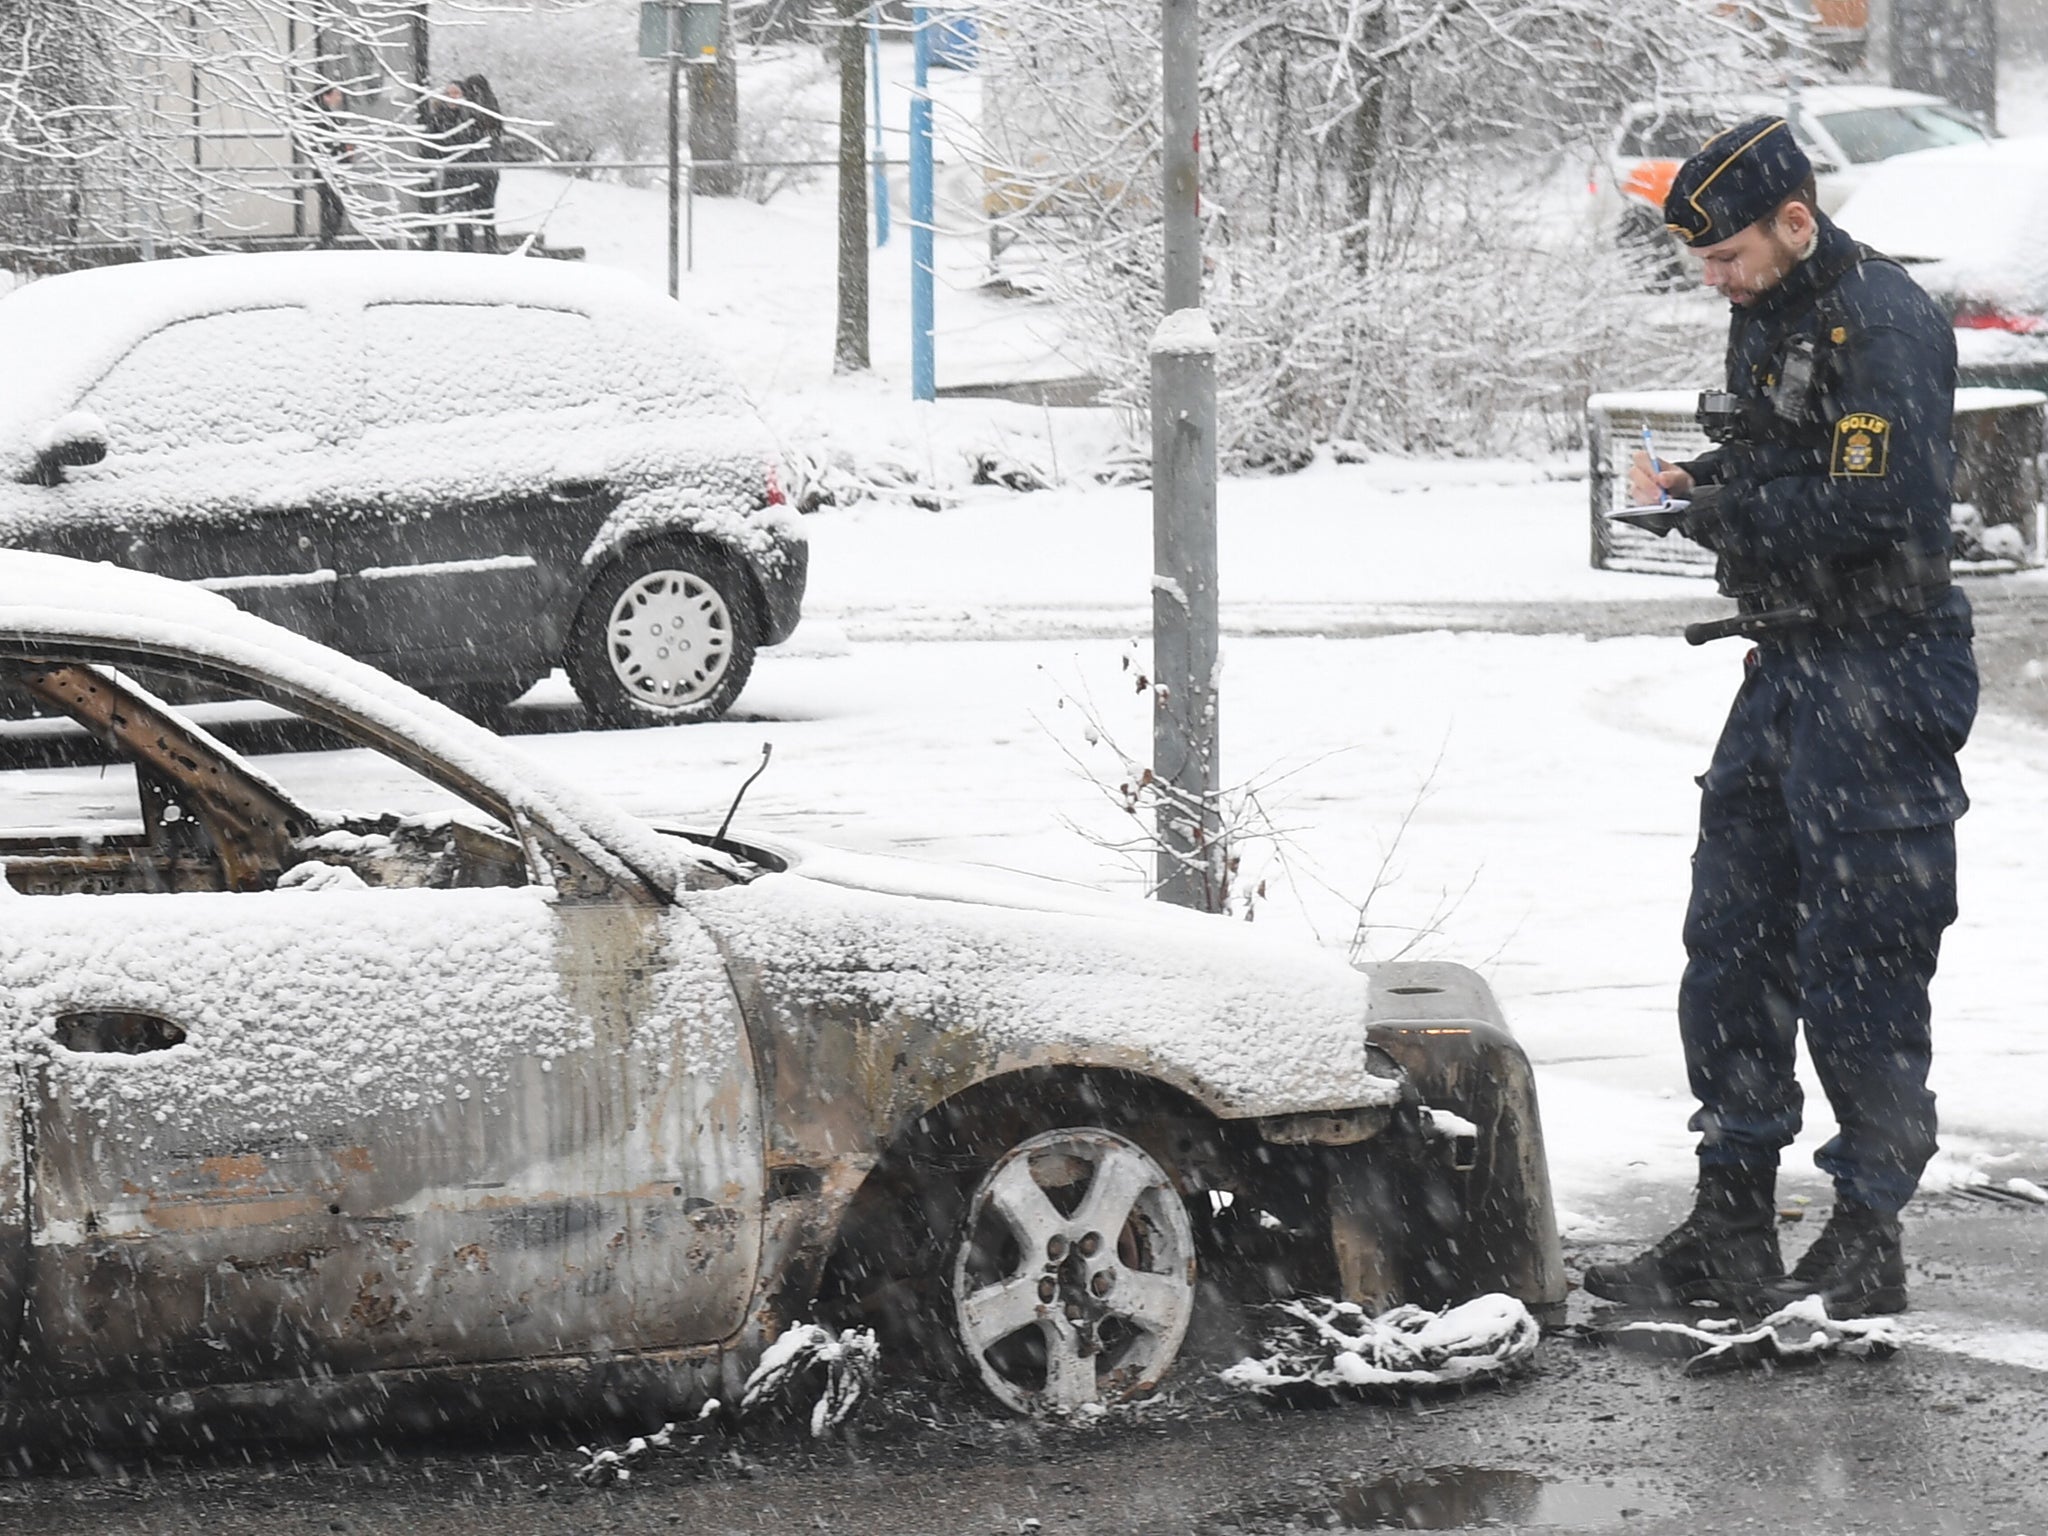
516	1102
466	470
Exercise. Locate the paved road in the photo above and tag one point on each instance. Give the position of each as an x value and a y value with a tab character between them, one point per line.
1595	1439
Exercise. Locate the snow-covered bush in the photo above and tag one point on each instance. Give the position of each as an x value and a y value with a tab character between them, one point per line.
1399	247
790	121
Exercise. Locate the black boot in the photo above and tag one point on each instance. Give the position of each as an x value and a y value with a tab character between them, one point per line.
1856	1266
1724	1251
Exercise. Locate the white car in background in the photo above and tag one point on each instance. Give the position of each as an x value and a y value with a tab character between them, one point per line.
1846	131
1971	223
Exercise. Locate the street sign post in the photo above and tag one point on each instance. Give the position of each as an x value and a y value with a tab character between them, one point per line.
678	32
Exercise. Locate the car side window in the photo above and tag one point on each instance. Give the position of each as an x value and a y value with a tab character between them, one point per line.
243	378
432	363
257	798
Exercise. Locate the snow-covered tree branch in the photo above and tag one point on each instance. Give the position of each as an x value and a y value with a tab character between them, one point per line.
1373	173
132	119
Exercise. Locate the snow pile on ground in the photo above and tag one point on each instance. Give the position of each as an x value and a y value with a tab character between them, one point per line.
809	1358
840	1367
603	1466
1336	1344
1796	1335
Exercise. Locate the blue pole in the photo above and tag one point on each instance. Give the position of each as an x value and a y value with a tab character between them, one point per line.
923	370
881	152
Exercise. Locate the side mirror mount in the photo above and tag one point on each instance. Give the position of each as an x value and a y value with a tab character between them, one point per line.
72	440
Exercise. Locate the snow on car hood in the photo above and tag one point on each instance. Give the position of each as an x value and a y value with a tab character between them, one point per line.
50	597
1973	219
1044	974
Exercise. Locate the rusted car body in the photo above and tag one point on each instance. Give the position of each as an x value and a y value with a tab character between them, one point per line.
335	1121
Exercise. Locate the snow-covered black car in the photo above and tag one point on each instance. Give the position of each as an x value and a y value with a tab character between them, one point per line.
466	471
1971	224
515	1102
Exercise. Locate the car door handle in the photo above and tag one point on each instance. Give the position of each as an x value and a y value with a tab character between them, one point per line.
116	1032
576	490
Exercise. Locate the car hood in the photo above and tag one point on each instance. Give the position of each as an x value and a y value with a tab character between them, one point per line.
1974	216
990	972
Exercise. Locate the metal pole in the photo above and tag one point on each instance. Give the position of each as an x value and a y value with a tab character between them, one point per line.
1182	129
690	210
923	367
675	156
1186	751
881	153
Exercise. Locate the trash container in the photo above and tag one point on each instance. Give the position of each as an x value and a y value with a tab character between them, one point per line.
1999	437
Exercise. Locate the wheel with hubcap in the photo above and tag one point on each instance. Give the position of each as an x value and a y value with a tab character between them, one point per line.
1073	1273
665	636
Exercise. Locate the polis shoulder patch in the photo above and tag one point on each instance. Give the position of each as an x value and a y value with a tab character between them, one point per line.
1862	444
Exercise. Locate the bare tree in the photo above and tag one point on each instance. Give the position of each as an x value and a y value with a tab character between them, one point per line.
1948	48
715	114
196	121
850	337
1380	179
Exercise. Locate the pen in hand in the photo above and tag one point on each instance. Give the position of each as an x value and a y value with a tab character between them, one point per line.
1656	465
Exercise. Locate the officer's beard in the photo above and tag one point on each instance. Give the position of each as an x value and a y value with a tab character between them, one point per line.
1784	257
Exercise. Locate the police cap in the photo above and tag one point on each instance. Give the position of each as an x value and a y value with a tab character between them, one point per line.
1739	176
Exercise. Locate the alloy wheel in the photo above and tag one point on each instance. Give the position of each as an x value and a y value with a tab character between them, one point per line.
1074	1280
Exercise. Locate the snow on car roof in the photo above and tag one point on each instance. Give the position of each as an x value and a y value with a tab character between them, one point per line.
1848	98
51	597
1811	98
76	325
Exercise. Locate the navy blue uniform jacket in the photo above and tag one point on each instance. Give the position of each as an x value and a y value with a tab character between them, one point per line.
1855	458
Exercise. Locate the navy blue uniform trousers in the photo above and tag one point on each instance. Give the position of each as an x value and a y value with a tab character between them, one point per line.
1823	879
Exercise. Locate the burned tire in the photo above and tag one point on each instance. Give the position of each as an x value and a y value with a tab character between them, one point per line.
665	636
1070	1278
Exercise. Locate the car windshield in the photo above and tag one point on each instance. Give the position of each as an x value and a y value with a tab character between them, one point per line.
1878	133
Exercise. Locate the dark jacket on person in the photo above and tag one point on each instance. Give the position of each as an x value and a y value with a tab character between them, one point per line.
1845	373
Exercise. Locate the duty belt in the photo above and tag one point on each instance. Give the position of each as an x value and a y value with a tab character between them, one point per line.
1903	582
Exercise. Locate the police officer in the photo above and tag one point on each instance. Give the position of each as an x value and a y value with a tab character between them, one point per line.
1825	869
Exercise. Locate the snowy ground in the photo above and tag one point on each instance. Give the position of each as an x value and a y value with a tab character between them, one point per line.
1549	777
930	702
1524	802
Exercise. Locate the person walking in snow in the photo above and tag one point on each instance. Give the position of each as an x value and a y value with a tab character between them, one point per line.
462	125
326	145
1824	874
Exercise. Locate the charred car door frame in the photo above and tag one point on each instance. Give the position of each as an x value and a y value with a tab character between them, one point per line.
230	1193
